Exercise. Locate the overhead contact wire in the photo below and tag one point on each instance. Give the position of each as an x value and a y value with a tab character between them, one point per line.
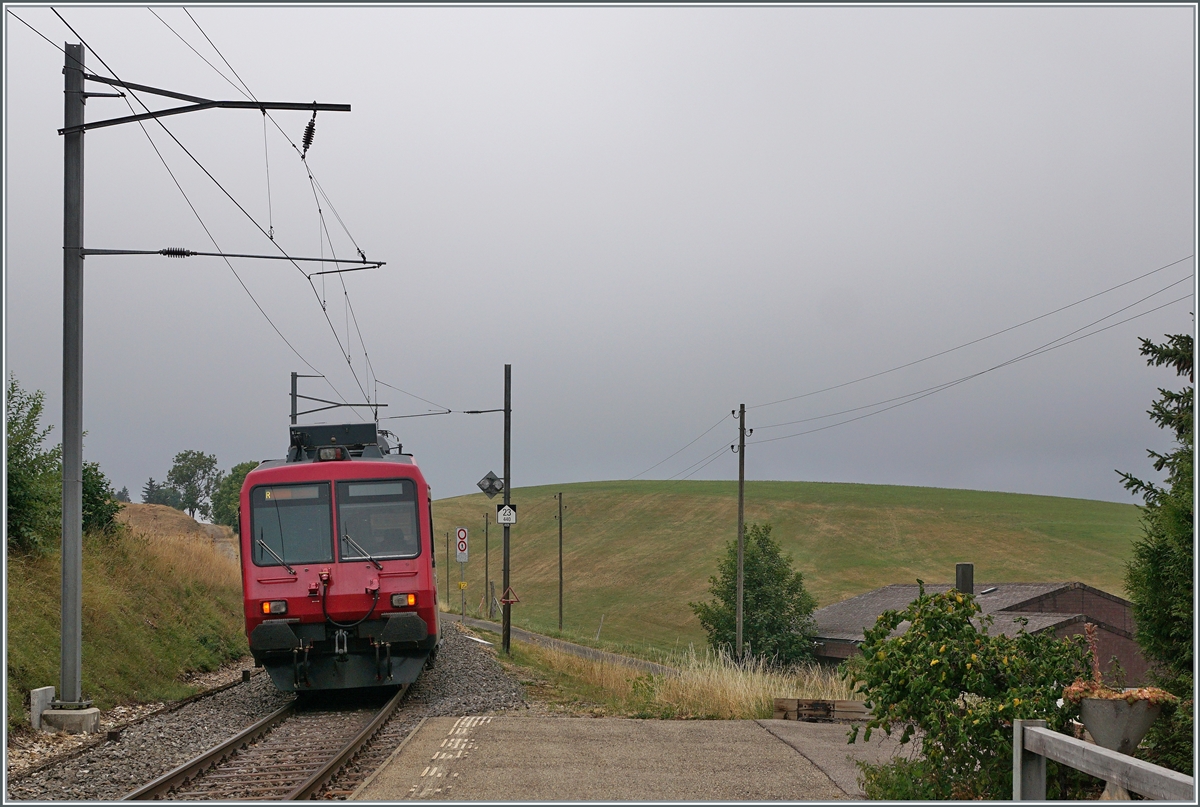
178	185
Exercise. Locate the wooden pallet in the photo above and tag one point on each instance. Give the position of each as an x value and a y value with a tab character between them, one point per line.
819	710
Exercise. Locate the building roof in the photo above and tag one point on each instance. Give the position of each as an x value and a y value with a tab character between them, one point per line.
846	620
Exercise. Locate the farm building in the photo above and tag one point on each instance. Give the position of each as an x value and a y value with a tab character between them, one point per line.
1063	608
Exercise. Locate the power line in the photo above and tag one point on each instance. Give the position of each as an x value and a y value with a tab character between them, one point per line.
937	387
973	341
660	462
1036	352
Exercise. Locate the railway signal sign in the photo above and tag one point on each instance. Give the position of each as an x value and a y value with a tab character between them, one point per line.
491	484
462	584
506	514
460	538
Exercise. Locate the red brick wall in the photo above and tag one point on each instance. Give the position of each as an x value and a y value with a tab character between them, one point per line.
1079	600
1112	644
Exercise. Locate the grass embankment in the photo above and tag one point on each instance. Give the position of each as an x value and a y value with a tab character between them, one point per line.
159	600
638	552
709	686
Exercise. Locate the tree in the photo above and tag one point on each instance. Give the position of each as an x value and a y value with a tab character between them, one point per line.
100	504
194	474
225	501
34	473
1159	576
123	495
156	493
777	620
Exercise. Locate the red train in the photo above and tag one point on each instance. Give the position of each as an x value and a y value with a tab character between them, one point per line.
337	562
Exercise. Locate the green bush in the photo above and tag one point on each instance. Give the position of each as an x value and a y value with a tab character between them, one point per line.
957	689
100	504
34	475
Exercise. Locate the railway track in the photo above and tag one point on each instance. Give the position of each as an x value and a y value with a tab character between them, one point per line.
288	755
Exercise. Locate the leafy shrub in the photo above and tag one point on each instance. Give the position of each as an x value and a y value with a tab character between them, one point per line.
100	504
34	475
957	689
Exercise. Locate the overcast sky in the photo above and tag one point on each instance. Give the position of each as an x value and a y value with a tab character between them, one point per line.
652	214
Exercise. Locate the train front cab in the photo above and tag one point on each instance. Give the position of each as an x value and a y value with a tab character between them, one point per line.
359	611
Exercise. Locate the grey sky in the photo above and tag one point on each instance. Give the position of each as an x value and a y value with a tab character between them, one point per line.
653	214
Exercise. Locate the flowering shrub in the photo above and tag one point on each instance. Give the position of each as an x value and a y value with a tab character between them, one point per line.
957	689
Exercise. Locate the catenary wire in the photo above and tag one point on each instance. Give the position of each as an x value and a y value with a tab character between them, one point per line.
323	228
973	341
239	206
181	191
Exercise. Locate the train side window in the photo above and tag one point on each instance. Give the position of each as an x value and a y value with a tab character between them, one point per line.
378	517
291	524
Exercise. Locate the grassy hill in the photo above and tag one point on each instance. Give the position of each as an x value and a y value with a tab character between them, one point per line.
638	552
160	599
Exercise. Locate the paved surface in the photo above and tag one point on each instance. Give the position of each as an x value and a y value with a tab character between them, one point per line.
507	758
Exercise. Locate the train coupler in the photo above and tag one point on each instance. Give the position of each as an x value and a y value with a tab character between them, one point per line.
341	645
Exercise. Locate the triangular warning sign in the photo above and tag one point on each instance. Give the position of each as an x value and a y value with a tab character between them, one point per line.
509	597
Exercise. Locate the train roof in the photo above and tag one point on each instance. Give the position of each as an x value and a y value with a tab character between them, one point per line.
359	441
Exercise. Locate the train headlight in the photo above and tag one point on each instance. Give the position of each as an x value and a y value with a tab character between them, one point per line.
403	600
274	607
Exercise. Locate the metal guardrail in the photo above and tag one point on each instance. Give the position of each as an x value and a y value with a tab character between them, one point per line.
1033	744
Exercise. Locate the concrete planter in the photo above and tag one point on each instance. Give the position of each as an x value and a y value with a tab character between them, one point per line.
1118	724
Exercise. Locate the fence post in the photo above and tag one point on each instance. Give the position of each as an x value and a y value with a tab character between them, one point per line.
1029	769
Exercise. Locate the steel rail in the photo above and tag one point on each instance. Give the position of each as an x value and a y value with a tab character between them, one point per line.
330	768
187	770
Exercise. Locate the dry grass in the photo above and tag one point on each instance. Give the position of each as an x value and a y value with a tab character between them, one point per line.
173	540
708	686
207	565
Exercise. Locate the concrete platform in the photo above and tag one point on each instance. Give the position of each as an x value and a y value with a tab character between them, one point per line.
510	758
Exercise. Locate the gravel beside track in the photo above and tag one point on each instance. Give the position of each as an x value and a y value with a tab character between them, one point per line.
466	679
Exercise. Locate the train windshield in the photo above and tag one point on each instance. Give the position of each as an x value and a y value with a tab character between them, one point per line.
291	524
377	518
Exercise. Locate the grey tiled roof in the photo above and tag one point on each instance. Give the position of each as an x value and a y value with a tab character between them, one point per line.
847	619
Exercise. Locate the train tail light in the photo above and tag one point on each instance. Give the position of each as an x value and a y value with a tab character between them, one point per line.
274	607
403	600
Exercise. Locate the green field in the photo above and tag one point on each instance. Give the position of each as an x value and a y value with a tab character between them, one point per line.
638	552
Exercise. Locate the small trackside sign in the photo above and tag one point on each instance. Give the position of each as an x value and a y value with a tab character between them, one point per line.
506	514
460	537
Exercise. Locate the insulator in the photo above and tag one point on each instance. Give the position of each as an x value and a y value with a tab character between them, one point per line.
176	252
309	131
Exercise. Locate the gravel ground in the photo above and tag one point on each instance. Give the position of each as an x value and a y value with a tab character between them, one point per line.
466	679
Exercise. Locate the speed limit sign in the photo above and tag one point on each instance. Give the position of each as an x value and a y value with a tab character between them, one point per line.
461	542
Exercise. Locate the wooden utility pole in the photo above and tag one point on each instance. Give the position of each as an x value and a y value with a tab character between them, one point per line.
741	452
486	588
560	568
